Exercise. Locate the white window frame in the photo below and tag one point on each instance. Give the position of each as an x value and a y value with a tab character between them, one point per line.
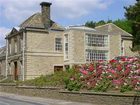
66	41
96	55
10	47
101	50
15	45
95	39
21	43
58	46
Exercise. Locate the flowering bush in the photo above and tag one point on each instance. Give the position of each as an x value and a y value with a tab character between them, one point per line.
122	74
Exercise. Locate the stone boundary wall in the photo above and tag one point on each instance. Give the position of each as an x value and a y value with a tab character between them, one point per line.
88	97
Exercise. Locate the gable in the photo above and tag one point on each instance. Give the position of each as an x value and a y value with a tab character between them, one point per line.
13	31
112	29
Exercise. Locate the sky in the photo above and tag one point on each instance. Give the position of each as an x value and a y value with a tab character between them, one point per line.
63	12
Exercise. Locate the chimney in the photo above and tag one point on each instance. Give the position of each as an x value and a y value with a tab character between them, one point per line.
45	9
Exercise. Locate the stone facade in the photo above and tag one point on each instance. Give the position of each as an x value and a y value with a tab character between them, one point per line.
2	62
39	47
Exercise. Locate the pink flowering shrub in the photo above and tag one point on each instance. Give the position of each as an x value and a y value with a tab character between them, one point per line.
122	74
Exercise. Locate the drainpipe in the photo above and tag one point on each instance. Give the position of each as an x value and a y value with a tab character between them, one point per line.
23	56
6	72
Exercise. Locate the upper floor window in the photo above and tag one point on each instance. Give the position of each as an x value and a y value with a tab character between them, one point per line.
10	47
96	40
21	43
15	45
58	44
66	50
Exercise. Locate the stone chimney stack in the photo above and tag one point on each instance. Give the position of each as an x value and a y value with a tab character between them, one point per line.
45	10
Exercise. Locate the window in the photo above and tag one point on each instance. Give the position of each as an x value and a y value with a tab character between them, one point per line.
92	55
58	44
66	50
21	43
93	44
10	69
10	50
96	40
15	45
122	47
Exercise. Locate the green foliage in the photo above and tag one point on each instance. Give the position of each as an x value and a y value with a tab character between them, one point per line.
103	86
47	80
72	85
56	79
124	24
7	81
133	14
101	22
90	24
126	88
72	82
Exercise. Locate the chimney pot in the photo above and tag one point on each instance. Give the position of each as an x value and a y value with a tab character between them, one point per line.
45	10
45	4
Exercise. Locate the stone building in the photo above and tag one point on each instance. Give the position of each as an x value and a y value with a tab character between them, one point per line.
2	62
40	46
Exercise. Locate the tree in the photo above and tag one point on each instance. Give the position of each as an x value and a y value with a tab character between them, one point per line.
101	22
124	24
133	14
90	24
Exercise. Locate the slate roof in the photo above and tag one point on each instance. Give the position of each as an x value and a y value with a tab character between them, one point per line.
85	28
36	21
81	28
112	29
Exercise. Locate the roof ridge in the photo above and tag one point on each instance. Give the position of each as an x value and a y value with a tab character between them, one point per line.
29	18
104	25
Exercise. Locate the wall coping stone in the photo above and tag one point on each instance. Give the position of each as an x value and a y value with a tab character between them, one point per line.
35	87
7	84
104	93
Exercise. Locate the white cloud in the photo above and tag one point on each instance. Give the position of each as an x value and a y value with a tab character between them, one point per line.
3	32
17	10
75	9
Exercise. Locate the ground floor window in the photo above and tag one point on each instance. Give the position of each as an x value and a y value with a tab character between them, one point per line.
92	55
58	68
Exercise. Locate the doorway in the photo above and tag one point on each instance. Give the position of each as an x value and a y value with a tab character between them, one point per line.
15	71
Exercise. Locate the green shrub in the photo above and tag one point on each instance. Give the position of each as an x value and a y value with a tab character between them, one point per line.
126	88
103	86
56	79
72	80
7	81
72	85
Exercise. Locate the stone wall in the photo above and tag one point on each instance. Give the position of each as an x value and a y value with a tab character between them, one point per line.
88	97
41	56
2	67
115	46
127	46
